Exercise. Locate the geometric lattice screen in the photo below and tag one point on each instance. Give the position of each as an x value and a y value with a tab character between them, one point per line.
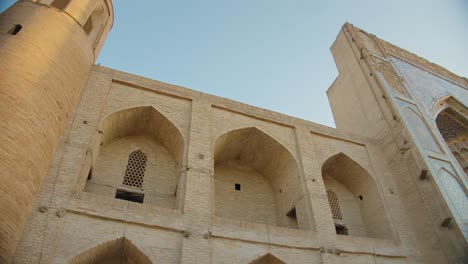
334	205
135	169
449	127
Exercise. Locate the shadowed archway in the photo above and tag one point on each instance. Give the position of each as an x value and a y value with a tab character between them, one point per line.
120	251
138	158
267	259
356	204
452	124
257	180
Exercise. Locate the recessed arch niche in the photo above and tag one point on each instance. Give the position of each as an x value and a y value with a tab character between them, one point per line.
139	142
257	180
267	259
452	123
120	250
356	196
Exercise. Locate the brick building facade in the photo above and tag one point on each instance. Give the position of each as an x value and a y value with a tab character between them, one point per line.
102	166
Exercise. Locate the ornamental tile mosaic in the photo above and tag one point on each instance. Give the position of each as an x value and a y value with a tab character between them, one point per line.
428	88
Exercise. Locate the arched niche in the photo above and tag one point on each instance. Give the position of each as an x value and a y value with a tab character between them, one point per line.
420	129
369	42
267	259
257	180
452	123
449	101
138	142
120	251
358	209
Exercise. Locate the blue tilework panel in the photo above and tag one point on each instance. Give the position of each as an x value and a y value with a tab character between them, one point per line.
427	87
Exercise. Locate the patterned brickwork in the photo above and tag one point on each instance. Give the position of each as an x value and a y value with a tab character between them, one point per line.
40	90
189	150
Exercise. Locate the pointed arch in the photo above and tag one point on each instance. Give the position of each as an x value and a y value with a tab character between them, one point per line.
449	101
138	157
369	42
267	259
143	120
420	129
119	250
452	123
250	165
359	198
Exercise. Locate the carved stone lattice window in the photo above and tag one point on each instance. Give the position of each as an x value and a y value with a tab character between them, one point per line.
334	204
449	127
135	169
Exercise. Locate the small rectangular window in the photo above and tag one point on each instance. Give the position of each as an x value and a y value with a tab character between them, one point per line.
237	186
130	196
292	218
88	26
292	213
341	229
60	4
15	29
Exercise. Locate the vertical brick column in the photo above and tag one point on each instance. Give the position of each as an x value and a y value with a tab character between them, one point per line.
45	65
322	218
44	68
198	204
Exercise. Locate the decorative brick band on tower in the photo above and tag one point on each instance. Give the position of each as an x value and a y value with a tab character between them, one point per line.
46	57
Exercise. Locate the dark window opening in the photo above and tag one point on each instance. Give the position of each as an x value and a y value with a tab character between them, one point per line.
360	197
88	26
341	229
90	174
292	218
237	186
292	213
129	196
60	4
15	29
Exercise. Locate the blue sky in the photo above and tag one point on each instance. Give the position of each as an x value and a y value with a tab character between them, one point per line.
269	53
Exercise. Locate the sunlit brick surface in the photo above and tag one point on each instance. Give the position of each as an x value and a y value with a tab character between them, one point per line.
223	182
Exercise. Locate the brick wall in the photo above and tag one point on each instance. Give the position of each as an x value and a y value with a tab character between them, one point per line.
204	145
207	209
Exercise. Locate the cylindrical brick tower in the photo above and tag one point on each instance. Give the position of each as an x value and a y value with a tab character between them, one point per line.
47	49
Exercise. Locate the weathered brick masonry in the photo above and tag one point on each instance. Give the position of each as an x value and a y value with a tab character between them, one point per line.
101	166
